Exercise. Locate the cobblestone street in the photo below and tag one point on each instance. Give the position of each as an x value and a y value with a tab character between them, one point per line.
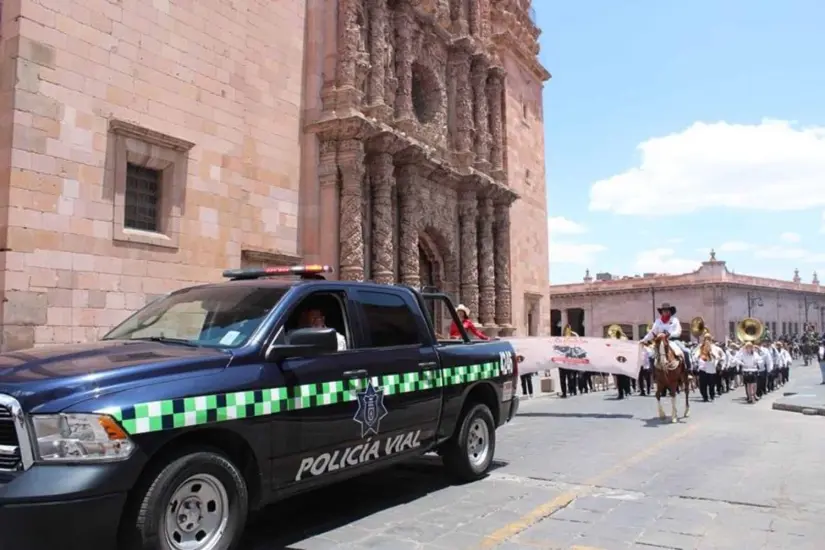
591	473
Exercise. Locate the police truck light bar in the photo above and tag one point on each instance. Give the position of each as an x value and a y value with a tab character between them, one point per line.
304	271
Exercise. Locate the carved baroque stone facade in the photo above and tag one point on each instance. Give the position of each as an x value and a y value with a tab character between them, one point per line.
411	151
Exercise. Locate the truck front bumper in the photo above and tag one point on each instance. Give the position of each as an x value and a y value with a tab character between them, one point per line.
63	506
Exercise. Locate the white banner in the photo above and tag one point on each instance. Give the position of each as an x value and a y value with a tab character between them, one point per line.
583	354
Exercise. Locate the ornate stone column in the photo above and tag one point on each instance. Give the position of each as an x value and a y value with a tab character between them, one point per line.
383	256
486	264
330	209
474	17
348	38
501	229
468	215
403	64
495	94
351	243
463	100
409	214
378	58
458	14
480	103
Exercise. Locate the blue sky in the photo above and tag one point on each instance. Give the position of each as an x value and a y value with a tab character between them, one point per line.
676	127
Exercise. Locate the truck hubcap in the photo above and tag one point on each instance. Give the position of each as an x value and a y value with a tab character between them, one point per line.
197	514
478	444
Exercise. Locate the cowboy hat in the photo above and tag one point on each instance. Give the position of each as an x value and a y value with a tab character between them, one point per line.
665	306
462	307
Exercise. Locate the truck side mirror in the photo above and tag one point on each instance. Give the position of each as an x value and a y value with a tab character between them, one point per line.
305	342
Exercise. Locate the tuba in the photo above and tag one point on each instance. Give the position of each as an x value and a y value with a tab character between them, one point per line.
568	332
750	330
616	332
698	327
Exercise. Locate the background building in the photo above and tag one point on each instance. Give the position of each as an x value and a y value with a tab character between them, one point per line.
143	151
712	292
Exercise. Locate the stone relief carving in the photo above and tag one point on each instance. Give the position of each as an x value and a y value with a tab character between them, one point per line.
382	170
486	262
351	245
405	66
362	53
409	225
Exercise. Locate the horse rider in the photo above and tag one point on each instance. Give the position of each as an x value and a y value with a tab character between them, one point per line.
668	324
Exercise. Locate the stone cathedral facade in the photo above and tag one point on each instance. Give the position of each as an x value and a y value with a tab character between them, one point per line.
412	146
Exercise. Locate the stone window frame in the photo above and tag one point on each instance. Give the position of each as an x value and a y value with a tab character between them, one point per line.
133	144
532	301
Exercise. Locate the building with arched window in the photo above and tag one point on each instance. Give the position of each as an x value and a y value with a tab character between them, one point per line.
721	298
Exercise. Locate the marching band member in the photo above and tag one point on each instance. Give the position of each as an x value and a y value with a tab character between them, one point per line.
668	324
749	360
645	373
722	380
773	373
785	356
707	361
764	369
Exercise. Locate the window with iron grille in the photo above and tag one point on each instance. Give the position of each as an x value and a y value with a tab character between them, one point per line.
142	201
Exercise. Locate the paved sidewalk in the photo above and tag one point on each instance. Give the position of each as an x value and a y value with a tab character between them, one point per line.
806	394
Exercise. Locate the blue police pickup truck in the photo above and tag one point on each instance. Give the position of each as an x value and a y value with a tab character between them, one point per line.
219	399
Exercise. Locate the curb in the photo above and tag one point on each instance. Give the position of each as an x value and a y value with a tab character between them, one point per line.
809	411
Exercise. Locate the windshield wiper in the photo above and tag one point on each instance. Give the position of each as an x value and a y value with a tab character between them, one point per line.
167	340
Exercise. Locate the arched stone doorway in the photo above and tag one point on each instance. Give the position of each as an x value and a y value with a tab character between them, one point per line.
431	272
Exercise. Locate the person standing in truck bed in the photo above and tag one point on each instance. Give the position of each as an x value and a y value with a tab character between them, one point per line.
464	314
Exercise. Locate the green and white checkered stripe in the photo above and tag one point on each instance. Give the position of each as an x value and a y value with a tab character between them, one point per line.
194	411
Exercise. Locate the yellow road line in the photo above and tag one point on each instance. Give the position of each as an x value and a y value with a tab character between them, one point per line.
544	510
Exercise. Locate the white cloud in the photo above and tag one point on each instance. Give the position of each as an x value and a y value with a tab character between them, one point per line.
735	246
558	225
767	166
569	253
664	260
790	237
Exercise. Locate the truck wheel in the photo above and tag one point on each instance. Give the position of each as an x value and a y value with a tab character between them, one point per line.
469	454
198	501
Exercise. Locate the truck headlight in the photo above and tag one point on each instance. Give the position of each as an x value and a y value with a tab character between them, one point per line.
80	438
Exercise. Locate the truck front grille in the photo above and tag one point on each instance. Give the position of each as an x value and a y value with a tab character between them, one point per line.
10	457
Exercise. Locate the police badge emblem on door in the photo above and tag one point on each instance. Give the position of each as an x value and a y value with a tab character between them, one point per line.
371	410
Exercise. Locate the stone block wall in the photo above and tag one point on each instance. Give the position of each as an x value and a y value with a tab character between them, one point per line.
221	82
524	131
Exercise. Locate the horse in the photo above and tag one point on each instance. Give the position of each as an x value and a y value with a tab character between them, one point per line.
670	374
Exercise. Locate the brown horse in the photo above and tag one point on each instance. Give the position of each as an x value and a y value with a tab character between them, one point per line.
670	374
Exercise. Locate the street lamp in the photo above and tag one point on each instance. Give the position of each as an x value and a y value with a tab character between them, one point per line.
754	301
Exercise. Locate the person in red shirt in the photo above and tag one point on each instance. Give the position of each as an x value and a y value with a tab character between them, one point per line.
464	314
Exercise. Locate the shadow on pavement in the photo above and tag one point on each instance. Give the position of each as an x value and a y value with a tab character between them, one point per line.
288	523
573	415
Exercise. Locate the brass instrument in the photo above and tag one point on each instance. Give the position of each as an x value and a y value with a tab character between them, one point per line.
698	327
616	332
568	332
750	330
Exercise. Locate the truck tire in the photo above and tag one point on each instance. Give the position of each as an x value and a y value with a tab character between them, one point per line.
468	455
198	500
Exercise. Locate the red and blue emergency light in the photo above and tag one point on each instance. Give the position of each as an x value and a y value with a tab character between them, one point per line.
313	271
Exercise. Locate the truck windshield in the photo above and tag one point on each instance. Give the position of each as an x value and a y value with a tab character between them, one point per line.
217	316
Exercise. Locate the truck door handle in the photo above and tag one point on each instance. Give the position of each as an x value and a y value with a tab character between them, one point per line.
429	365
359	373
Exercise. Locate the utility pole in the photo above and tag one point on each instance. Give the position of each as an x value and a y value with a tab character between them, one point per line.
653	301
